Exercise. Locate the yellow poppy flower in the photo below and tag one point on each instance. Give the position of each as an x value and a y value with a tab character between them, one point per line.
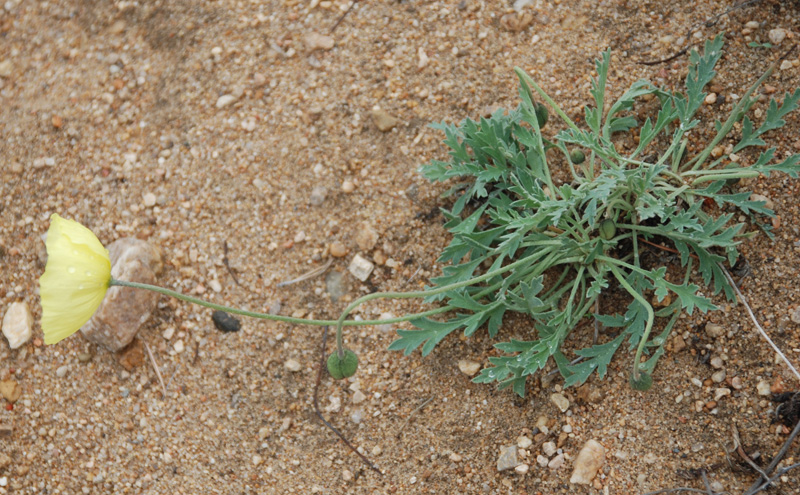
75	280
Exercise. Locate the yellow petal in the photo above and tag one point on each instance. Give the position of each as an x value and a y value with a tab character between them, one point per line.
75	280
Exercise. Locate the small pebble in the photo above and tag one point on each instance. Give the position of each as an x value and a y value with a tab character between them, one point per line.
348	186
225	100
717	363
795	316
542	460
787	65
720	393
549	448
316	41
711	98
736	382
718	376
62	371
359	397
360	267
335	285
215	286
560	401
6	68
318	195
225	322
777	35
257	460
337	249
589	461
10	390
508	458
763	388
556	462
366	237
293	365
455	457
383	121
469	368
17	324
522	469
179	346
715	331
524	442
149	200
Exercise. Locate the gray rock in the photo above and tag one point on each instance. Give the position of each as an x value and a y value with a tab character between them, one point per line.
589	461
508	458
124	310
17	324
318	195
335	285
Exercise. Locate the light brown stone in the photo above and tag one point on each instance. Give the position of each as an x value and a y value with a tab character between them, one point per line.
124	310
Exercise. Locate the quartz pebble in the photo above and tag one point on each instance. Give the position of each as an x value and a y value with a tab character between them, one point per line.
360	267
560	401
468	367
718	376
149	200
796	315
62	371
293	365
557	462
225	100
124	310
508	458
17	324
317	41
763	388
524	442
777	35
522	469
455	457
348	186
589	461
549	448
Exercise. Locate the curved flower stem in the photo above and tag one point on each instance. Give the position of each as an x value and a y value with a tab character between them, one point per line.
650	317
266	316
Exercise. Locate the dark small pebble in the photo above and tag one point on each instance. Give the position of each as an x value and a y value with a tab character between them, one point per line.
225	322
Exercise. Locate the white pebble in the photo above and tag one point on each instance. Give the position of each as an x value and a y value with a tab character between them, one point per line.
62	371
776	36
763	388
293	365
17	324
225	100
179	346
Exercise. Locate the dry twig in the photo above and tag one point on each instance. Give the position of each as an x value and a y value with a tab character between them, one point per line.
155	367
755	322
309	275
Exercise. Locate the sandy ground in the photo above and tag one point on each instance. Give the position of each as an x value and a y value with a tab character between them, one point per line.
110	113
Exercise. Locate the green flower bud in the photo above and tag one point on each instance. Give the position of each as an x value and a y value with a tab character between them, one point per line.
577	157
644	382
541	114
607	229
342	368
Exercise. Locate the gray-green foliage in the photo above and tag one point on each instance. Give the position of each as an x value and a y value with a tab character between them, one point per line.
510	212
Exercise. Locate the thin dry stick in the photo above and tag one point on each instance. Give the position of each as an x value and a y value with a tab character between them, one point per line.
341	18
319	412
757	486
415	411
774	477
755	322
737	447
155	367
313	273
